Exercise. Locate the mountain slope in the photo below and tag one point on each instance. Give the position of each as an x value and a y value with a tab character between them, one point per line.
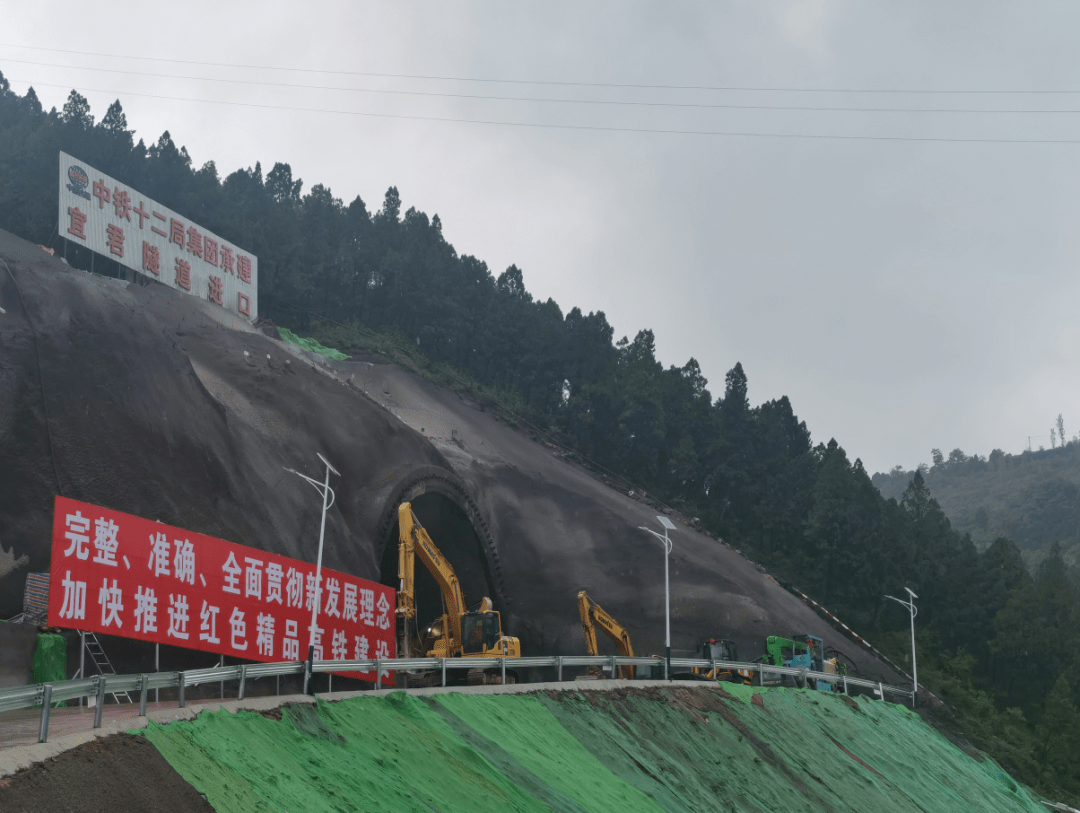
164	406
1032	498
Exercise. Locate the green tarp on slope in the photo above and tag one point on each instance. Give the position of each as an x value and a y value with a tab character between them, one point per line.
397	754
50	659
670	749
311	344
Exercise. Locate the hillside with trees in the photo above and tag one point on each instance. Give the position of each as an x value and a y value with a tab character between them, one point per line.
999	643
1032	498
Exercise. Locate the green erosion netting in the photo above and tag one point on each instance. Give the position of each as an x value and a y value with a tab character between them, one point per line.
656	749
397	755
311	344
798	750
50	661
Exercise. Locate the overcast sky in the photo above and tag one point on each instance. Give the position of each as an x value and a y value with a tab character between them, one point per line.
905	294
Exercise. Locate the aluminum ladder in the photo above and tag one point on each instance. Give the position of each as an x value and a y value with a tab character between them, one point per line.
103	664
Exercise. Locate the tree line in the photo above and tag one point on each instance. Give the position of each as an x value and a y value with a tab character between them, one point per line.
1032	497
1001	641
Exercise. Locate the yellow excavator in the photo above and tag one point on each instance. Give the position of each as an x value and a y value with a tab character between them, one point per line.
458	633
593	615
720	650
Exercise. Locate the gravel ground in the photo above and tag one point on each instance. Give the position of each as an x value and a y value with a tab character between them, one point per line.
117	774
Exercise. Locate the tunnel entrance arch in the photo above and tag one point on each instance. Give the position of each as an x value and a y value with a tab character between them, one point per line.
444	507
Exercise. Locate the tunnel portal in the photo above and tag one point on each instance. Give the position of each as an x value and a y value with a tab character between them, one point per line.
449	527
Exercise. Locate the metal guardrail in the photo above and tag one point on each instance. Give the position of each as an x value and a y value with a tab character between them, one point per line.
45	695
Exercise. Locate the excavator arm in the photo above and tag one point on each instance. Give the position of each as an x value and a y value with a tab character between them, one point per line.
415	542
593	615
585	608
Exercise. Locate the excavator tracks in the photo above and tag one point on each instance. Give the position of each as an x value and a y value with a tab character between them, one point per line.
488	677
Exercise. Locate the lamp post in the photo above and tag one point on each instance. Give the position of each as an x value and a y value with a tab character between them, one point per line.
328	500
668	525
914	669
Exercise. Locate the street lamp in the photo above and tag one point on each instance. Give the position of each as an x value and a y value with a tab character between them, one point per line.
668	525
914	670
328	500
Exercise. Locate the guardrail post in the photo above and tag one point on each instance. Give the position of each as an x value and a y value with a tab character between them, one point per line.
560	668
180	684
442	662
46	704
881	689
144	681
845	684
243	681
614	671
666	675
503	671
100	705
714	676
378	673
805	678
761	675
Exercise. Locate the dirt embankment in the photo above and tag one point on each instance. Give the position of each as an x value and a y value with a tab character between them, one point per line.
118	774
681	748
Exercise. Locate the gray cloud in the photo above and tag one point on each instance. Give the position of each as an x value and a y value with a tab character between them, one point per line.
904	294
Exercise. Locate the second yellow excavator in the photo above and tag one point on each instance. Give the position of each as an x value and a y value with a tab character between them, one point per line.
458	633
593	615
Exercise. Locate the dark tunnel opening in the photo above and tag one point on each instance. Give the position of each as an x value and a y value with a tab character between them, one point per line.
449	528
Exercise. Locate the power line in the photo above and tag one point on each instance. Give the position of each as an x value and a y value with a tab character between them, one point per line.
619	103
748	88
595	128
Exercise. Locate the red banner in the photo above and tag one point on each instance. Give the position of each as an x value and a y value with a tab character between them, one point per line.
118	574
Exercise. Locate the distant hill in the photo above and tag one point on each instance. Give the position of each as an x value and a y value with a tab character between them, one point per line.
1032	498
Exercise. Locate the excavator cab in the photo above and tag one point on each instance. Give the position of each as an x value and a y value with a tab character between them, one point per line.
718	650
480	632
816	650
820	662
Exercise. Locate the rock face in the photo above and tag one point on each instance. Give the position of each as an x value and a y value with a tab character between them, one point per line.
161	405
165	407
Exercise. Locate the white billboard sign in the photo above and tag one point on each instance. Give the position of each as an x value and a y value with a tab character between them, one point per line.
121	223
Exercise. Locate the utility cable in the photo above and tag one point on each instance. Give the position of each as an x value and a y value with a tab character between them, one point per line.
583	127
748	88
475	96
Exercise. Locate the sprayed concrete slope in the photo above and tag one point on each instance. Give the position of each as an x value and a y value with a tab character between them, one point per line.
684	748
161	405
